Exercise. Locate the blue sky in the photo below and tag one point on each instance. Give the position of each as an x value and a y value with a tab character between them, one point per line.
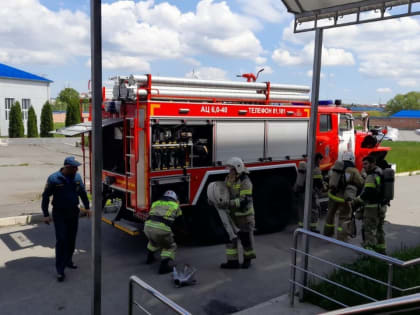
364	64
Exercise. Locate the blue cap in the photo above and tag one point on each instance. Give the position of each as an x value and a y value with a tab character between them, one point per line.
71	161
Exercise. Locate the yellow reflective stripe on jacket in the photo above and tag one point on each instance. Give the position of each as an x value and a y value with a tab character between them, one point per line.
335	198
370	185
231	251
158	225
250	211
237	202
245	192
372	205
317	176
378	180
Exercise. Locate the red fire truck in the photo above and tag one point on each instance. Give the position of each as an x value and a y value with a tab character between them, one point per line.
163	133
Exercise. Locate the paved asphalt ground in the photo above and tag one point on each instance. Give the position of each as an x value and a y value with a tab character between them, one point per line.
27	277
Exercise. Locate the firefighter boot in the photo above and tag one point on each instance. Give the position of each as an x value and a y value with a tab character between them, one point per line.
166	266
150	257
231	264
246	264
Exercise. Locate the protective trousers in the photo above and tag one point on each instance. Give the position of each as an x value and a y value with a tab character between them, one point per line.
65	234
373	227
161	239
246	226
300	200
344	220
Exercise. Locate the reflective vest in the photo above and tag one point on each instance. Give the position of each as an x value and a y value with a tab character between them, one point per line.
165	212
240	190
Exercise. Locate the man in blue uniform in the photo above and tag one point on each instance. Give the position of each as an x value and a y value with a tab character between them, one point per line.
66	186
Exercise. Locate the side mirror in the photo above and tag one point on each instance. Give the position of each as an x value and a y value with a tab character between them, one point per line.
384	131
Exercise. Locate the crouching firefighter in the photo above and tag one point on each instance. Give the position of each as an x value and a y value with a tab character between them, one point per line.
158	230
344	183
376	195
318	186
241	210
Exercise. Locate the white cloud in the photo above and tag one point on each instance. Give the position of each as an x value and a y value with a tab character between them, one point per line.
408	83
269	10
134	33
207	73
383	90
330	56
387	49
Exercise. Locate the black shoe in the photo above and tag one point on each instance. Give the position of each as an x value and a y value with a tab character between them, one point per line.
60	277
246	264
166	266
71	266
150	257
231	264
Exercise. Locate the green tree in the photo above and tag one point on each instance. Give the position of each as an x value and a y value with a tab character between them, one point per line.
47	123
32	128
70	97
16	129
410	100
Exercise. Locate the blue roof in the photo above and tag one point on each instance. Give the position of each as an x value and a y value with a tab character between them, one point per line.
13	73
407	114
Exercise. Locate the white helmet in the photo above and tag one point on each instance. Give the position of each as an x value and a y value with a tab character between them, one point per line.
348	156
171	194
237	164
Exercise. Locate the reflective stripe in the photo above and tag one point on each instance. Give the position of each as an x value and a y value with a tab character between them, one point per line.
370	185
151	247
372	205
237	186
231	251
335	198
158	225
245	192
317	176
250	211
169	254
378	180
339	229
329	225
249	253
237	202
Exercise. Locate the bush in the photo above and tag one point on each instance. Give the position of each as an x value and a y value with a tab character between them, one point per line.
72	114
32	128
47	123
70	97
16	129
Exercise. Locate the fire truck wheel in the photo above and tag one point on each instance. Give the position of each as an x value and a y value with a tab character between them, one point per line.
273	204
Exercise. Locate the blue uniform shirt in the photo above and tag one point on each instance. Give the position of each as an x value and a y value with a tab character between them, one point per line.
66	192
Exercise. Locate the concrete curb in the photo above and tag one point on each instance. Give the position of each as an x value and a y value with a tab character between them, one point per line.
412	173
21	220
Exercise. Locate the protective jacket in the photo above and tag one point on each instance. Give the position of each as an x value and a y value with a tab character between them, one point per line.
163	214
371	194
349	176
66	192
240	189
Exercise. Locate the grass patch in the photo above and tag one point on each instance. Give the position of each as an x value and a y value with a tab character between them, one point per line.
405	154
8	165
402	278
58	125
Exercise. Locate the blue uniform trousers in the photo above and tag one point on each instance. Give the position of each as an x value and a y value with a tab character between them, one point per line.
65	234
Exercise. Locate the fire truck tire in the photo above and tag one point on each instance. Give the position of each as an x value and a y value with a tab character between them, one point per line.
273	204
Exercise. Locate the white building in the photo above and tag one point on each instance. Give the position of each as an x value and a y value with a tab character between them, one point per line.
26	88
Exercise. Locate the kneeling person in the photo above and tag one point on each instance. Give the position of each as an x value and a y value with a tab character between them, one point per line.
158	229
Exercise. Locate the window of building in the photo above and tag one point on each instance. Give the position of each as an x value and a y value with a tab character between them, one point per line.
325	123
8	103
26	103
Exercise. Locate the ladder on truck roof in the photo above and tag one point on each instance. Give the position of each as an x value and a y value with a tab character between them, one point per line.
146	87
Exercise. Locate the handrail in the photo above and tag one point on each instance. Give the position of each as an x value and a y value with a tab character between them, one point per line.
387	259
155	293
403	303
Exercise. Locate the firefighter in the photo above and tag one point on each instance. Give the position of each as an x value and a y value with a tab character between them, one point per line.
158	229
344	183
66	186
374	208
241	210
318	186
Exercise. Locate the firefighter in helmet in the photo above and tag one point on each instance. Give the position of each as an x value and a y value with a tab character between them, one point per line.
374	207
241	210
344	183
318	186
158	229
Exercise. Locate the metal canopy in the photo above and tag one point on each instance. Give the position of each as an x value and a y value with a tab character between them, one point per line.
311	14
84	127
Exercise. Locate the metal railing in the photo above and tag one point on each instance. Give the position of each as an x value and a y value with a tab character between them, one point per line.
392	262
155	293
